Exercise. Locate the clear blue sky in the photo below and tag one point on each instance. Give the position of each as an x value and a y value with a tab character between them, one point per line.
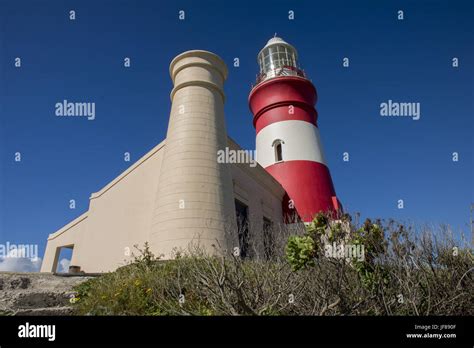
82	60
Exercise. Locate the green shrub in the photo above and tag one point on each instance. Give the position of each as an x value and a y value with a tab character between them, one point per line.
300	252
404	272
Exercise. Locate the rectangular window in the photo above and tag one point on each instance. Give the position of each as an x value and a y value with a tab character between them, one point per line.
268	239
241	212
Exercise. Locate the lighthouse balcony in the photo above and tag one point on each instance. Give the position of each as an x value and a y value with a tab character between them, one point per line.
278	72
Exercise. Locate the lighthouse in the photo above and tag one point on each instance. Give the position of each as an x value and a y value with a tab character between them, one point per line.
288	142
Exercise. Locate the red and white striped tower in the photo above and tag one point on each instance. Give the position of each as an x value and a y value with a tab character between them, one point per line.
288	142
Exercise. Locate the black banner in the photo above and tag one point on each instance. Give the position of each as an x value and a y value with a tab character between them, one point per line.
413	331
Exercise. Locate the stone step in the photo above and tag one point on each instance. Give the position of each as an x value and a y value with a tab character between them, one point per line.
65	310
38	299
37	293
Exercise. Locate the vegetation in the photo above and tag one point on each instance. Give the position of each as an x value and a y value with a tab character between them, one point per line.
390	270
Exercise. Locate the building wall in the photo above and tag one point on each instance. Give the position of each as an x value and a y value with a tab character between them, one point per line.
261	193
144	203
257	189
71	234
118	218
120	214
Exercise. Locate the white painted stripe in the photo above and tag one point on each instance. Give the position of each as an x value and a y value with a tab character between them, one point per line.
301	141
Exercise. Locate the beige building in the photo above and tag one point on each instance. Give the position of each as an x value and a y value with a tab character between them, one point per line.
178	194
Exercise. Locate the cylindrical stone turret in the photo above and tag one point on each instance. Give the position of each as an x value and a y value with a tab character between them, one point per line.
194	202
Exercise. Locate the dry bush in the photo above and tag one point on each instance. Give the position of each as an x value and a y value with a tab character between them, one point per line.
404	272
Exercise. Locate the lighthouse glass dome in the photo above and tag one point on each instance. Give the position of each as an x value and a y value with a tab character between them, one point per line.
278	58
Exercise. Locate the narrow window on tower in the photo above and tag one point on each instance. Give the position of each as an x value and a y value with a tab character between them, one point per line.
268	241
277	145
278	153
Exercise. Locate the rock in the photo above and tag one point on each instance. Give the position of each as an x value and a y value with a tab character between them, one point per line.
36	293
21	283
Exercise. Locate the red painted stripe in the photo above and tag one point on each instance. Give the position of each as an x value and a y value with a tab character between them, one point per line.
281	113
308	184
276	95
